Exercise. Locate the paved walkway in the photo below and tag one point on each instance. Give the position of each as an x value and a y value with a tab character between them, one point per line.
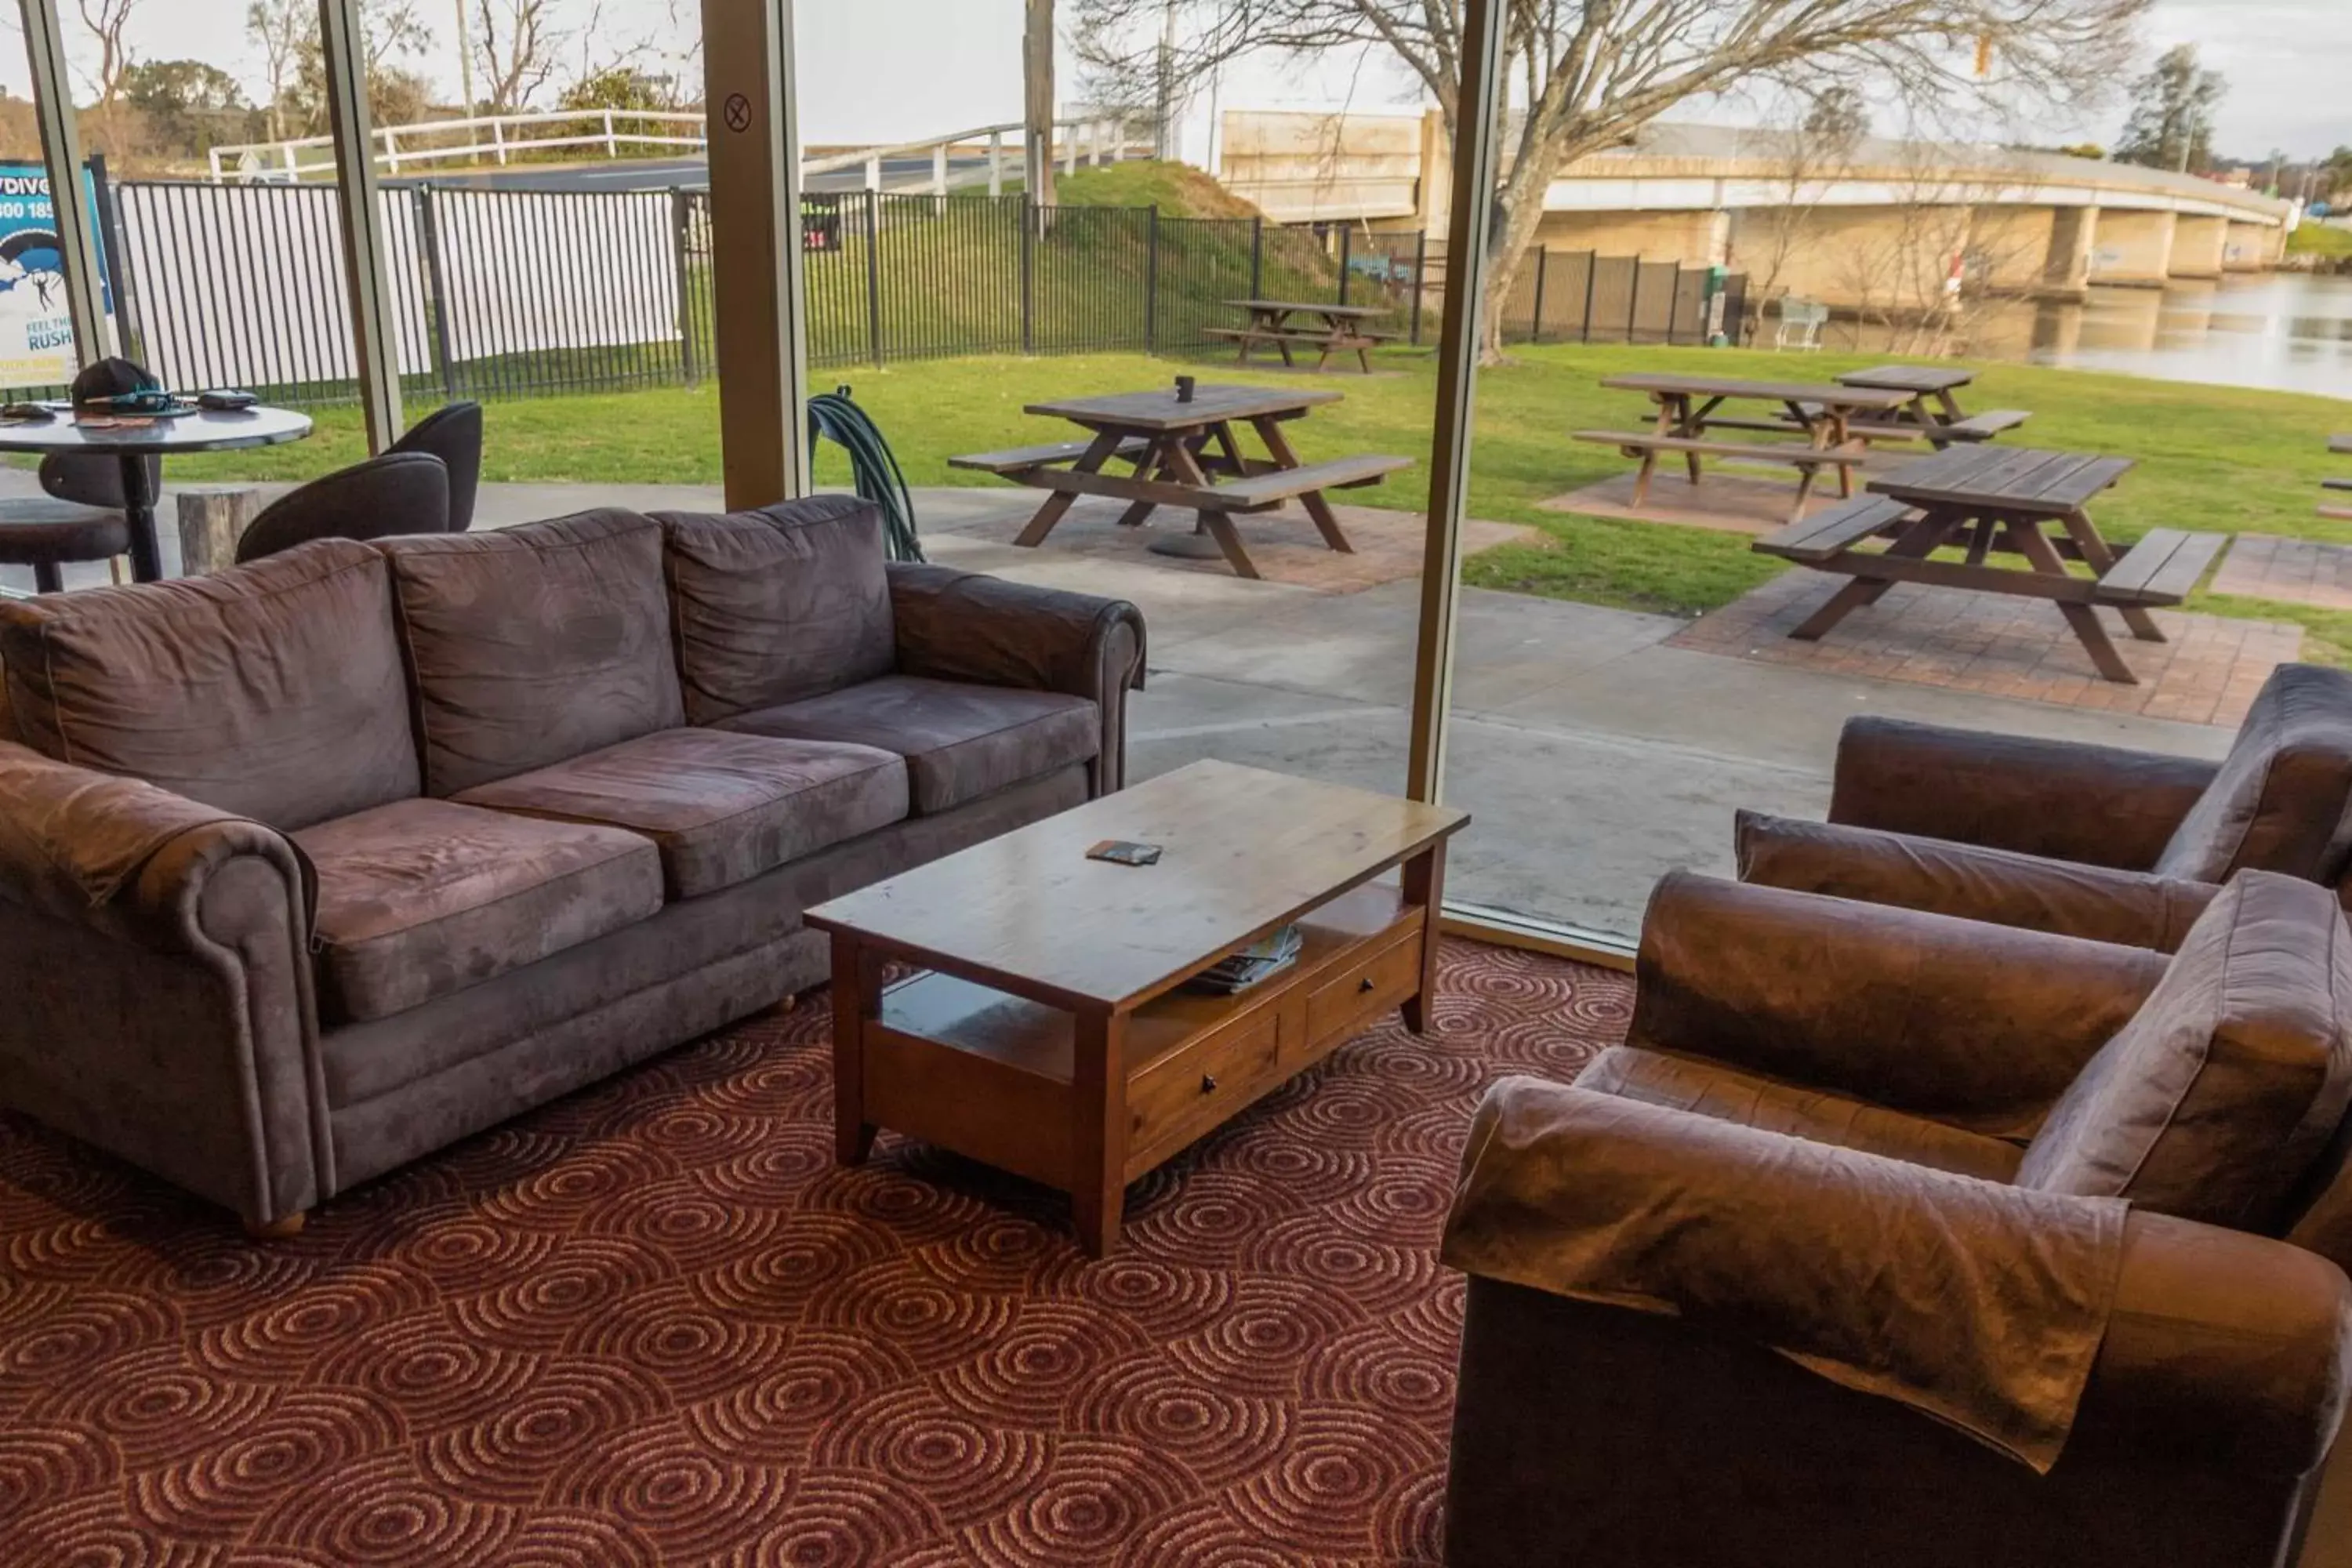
2000	645
1594	752
2294	571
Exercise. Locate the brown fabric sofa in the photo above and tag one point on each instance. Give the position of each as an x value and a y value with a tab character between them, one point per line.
2081	840
1874	1204
313	866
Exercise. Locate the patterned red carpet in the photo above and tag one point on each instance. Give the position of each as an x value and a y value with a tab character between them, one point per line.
655	1324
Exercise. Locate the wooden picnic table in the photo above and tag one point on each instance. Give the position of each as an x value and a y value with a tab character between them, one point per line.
1342	329
1934	413
1689	407
1186	455
1987	499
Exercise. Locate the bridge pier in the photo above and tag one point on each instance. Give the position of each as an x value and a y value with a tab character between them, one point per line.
2073	239
2134	248
2199	246
2249	247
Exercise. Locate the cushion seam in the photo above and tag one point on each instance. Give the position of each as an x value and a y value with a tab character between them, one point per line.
552	813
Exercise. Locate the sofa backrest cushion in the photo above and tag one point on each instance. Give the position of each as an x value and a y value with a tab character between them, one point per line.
773	605
2217	1098
533	644
2283	800
273	690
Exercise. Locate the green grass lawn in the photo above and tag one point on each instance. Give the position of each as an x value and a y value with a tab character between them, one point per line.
2320	239
2210	458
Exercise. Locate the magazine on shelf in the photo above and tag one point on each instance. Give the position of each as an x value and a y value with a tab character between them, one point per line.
1237	972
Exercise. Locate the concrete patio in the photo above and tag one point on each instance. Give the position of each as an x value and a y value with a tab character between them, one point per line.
1594	752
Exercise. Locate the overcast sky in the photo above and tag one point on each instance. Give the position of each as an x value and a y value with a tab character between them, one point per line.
874	70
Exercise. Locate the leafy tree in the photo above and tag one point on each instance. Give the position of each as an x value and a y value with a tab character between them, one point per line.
622	87
2171	124
188	105
1589	76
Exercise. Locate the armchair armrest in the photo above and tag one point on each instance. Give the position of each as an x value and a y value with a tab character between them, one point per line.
155	951
965	625
1938	876
1979	1025
2218	1387
1981	1304
2099	805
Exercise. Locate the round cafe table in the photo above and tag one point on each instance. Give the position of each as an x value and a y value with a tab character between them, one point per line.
134	443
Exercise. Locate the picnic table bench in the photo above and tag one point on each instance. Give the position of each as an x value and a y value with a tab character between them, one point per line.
2340	444
1688	406
1989	499
1342	329
1185	455
1934	414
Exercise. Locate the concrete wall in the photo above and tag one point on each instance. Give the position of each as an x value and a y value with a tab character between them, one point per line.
1892	259
1689	238
2134	248
2249	247
1301	167
2201	247
2009	249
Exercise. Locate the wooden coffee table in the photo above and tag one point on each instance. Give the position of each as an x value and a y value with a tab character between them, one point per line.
1046	1035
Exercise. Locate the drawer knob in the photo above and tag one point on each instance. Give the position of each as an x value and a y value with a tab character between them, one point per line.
1207	1083
1364	985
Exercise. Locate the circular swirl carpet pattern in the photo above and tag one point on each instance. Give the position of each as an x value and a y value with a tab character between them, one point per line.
655	1323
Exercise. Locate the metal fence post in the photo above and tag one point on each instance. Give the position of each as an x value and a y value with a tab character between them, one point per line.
1634	303
1258	257
681	222
1591	282
436	289
1151	280
1347	255
874	272
1675	302
1420	282
1543	266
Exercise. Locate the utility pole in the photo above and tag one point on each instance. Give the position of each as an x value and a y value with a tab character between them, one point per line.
465	58
1037	110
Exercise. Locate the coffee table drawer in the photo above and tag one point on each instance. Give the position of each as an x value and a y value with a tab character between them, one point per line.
1363	990
1184	1094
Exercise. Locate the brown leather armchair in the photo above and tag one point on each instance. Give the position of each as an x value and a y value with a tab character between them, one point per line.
1889	1238
2081	840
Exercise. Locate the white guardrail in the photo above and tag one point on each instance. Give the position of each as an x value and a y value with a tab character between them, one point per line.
503	139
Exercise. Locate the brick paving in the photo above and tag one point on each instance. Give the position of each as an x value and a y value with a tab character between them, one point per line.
2296	571
1283	544
2000	645
1729	503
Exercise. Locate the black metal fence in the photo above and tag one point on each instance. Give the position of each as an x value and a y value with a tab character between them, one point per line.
505	293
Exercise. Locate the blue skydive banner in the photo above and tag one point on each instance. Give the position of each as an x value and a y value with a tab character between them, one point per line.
36	347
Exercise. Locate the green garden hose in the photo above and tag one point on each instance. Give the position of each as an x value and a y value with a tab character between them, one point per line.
873	467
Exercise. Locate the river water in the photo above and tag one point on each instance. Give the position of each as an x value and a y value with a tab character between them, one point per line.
2285	331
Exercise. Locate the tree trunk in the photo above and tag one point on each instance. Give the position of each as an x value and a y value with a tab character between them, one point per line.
1518	213
1037	110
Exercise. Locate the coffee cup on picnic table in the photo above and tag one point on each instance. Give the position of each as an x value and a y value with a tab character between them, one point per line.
1185	384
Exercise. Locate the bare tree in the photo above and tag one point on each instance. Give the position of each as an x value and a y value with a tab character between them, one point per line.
281	29
1813	144
1592	73
108	20
518	48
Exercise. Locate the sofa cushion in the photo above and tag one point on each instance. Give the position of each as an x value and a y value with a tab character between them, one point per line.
2215	1099
721	808
2283	800
534	643
423	898
273	690
772	606
1728	1094
960	742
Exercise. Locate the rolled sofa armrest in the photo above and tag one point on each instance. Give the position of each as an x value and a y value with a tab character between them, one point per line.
967	626
2099	805
1937	876
2029	1321
156	953
1979	1025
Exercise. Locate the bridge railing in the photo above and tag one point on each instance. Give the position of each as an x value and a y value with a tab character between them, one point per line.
502	139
